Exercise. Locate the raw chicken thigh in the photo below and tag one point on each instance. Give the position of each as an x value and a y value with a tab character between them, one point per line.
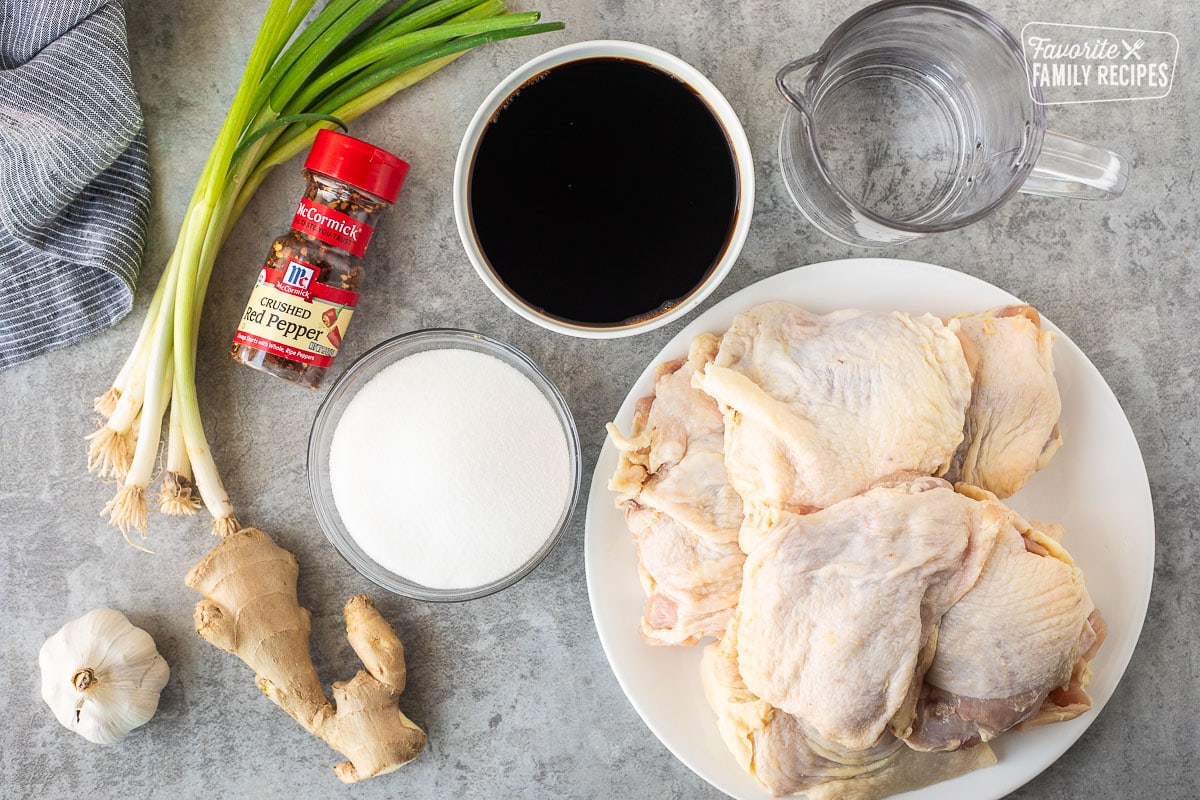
821	408
787	756
679	506
1012	423
1027	628
839	612
940	617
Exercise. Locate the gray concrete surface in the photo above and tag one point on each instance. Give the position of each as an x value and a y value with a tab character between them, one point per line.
514	690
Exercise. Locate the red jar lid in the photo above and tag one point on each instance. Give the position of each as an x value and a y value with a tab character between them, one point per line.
363	166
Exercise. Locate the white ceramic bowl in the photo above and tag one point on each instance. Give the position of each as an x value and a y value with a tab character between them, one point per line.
606	49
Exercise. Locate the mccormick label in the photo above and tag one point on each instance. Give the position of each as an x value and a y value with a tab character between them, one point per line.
292	316
332	227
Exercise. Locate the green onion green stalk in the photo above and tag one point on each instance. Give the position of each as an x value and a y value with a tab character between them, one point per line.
300	78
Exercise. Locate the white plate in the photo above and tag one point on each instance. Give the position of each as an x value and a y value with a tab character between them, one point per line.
1096	486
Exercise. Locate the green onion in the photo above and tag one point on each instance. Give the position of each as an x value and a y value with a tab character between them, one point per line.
300	78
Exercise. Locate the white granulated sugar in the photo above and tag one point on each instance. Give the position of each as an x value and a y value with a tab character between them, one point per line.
450	468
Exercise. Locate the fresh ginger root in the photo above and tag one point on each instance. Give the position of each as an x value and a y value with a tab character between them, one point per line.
250	609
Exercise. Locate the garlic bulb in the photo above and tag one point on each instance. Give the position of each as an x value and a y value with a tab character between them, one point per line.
101	676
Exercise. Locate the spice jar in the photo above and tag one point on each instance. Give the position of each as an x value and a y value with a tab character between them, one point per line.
308	289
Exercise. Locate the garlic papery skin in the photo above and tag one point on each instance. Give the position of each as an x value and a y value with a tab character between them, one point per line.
102	676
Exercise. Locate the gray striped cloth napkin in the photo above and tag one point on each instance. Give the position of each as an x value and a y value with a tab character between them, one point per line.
74	182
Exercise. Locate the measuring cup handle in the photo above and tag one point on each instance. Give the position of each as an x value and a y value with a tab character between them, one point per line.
1071	168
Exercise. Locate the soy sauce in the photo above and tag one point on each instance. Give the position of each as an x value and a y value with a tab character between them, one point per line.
604	191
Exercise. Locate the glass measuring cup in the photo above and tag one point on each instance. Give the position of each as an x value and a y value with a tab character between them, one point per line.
919	117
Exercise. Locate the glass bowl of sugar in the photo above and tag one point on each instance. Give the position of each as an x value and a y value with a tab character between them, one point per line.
444	465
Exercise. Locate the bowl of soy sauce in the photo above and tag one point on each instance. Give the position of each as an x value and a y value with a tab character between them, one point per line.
604	189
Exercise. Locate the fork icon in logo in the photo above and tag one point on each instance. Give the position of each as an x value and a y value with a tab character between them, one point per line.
1131	50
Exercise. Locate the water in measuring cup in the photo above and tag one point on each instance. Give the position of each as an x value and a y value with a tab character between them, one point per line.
898	140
